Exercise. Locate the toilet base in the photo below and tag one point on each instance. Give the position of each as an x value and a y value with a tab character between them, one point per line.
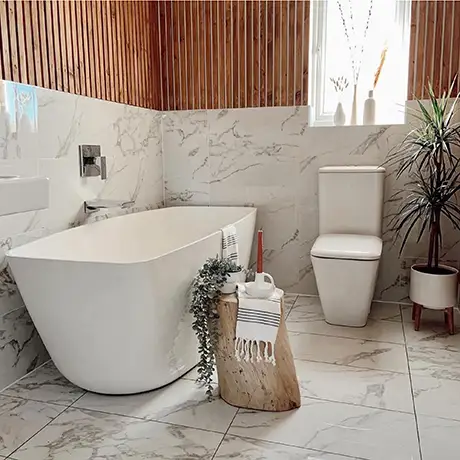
346	288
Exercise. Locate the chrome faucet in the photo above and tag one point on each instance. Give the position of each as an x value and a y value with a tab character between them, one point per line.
95	205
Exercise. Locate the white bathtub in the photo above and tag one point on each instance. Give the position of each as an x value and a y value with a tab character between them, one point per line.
110	299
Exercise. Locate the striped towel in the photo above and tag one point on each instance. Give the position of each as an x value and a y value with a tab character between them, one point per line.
257	324
230	244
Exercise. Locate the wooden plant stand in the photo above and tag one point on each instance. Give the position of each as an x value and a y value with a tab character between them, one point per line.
261	385
448	317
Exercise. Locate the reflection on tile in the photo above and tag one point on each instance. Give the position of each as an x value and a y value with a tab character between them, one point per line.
439	438
432	333
366	387
182	403
46	384
21	419
85	435
437	397
432	362
307	316
252	449
352	352
337	428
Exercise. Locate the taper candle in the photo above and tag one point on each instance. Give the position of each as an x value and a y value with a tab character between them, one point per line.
260	252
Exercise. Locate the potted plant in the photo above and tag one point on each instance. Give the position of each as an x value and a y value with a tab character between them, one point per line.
236	274
206	291
427	155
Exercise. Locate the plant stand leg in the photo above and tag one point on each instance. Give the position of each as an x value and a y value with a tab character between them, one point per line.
417	313
413	312
449	312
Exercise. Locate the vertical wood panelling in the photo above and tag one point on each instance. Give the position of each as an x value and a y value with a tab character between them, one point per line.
102	49
434	46
233	53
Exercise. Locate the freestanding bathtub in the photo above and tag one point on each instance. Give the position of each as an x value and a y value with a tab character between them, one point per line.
110	299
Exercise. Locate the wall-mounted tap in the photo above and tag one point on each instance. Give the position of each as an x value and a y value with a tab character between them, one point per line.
95	205
92	164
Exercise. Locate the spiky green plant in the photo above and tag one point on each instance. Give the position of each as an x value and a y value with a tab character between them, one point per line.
206	290
428	156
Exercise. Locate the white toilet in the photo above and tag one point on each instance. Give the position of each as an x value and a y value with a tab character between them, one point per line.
346	254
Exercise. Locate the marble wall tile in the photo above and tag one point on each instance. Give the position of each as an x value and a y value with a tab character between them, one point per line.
187	173
21	349
46	143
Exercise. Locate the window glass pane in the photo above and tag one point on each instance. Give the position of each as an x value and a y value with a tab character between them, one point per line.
385	30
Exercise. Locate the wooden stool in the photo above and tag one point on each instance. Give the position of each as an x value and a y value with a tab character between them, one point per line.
448	317
261	385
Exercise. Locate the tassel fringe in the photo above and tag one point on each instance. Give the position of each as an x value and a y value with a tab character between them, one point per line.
251	351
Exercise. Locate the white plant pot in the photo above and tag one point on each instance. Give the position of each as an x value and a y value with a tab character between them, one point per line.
434	291
232	278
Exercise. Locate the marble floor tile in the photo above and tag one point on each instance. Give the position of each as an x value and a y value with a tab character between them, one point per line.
46	384
182	402
238	448
439	438
432	362
366	387
307	316
336	428
437	397
79	434
20	419
353	352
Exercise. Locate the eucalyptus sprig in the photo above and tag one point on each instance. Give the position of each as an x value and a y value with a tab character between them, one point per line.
206	291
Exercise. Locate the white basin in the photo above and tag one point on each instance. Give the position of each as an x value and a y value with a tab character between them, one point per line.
22	194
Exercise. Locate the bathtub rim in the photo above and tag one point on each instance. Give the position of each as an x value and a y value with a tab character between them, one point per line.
10	254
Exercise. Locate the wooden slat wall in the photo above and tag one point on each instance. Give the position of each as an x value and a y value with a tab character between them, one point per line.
434	46
103	49
233	53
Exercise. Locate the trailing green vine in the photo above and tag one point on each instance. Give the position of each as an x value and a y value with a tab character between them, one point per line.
206	290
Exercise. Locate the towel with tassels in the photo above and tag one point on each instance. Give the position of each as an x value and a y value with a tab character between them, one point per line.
230	244
257	326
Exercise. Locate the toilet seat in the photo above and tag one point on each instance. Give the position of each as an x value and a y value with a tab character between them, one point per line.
348	247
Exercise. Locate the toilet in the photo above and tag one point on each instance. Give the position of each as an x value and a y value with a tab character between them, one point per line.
346	254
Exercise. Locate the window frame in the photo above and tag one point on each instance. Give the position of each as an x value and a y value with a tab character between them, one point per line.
318	47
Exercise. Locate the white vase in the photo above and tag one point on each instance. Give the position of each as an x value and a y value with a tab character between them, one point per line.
232	279
369	110
435	291
339	116
354	106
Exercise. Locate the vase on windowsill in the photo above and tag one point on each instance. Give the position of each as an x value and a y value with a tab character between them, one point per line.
369	110
354	106
339	116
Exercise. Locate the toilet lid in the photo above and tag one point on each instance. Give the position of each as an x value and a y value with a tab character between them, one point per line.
354	247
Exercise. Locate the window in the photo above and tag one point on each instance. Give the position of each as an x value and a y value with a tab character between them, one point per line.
331	55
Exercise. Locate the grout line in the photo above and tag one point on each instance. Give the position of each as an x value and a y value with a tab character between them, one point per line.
335	401
24	376
412	392
349	365
352	457
225	434
38	431
350	338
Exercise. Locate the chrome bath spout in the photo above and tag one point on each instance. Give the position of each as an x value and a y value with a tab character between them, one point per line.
95	205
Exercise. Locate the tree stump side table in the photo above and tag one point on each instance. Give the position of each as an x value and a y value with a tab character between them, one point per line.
257	385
